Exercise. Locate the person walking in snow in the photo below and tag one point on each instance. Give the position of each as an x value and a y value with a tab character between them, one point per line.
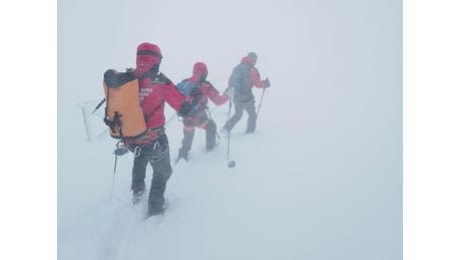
198	90
244	76
153	148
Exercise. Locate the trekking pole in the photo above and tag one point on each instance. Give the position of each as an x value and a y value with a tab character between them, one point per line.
208	112
260	103
113	177
228	134
228	146
229	109
120	150
230	164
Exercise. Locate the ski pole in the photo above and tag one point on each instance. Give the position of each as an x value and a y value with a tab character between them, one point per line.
228	134
260	103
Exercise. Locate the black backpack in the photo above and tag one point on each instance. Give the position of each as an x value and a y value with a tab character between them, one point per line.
194	97
240	79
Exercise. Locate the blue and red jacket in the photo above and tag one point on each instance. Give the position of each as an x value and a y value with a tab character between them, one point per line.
200	95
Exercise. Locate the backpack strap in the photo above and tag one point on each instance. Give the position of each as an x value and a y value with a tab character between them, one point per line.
197	96
159	78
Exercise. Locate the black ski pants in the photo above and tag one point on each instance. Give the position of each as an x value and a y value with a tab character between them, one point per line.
157	154
240	106
189	133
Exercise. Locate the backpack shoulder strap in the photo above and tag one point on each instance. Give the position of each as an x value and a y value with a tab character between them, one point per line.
210	85
160	78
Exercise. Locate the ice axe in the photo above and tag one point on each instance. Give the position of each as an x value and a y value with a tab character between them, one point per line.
99	105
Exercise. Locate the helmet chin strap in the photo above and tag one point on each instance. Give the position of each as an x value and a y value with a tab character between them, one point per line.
151	72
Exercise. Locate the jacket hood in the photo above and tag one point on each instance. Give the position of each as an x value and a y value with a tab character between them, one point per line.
200	72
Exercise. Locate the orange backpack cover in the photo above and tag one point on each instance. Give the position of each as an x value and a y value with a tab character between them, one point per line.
123	112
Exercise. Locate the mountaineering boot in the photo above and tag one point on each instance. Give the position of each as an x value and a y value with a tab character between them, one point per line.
138	191
183	154
156	195
186	145
155	211
137	196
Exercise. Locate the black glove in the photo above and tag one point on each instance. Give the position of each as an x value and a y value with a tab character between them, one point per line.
120	151
266	83
184	109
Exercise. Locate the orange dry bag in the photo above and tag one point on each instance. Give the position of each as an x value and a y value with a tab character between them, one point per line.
123	113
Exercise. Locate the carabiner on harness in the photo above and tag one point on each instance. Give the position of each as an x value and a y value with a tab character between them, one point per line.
137	151
156	145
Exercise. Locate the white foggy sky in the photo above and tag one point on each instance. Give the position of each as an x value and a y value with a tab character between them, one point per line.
320	50
425	66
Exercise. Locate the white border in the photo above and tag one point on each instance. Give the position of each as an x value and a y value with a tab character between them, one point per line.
28	129
431	130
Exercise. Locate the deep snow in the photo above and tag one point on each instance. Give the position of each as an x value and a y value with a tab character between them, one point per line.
320	179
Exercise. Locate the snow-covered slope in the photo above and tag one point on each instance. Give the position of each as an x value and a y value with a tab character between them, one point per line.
320	179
